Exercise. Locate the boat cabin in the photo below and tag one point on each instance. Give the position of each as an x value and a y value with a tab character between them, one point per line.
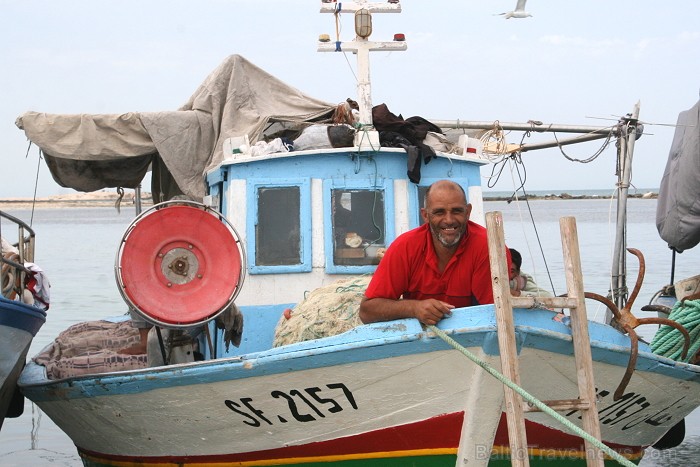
308	218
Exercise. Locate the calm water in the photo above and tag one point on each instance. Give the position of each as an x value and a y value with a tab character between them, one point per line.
77	247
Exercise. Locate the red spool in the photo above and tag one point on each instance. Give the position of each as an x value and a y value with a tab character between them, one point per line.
179	265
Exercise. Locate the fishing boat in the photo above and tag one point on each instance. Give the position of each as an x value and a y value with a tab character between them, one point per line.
272	210
20	319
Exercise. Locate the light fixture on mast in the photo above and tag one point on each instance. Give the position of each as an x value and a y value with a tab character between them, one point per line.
361	46
363	23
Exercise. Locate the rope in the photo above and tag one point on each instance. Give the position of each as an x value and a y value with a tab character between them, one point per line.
590	158
532	400
336	13
36	182
498	137
515	161
118	202
668	341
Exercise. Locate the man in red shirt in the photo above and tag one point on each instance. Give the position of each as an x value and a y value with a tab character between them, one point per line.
428	271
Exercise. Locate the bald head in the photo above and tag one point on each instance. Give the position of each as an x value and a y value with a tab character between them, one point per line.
446	185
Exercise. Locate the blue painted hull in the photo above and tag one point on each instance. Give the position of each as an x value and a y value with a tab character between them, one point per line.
19	323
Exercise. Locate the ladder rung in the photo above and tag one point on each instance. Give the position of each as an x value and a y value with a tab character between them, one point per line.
561	405
548	302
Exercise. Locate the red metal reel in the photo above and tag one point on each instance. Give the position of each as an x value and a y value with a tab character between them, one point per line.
180	265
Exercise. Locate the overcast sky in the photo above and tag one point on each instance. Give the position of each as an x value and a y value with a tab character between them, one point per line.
570	61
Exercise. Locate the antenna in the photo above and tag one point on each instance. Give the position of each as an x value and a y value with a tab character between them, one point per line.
361	45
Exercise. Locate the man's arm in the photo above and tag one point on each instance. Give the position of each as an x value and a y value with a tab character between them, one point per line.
531	289
428	311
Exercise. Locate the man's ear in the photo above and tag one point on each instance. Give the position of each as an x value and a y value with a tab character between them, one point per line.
424	215
469	210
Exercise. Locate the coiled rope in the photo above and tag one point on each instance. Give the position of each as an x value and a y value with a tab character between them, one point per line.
531	399
668	341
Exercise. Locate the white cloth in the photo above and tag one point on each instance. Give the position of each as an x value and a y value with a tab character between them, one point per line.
40	287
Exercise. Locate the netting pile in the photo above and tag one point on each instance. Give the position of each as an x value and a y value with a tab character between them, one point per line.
326	311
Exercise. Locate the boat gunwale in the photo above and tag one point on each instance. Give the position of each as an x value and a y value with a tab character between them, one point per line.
379	335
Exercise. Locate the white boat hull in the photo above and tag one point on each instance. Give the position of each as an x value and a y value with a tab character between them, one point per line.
320	401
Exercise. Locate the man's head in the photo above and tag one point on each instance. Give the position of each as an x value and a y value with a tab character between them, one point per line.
516	262
446	212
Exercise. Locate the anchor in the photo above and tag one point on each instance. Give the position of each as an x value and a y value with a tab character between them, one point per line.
624	319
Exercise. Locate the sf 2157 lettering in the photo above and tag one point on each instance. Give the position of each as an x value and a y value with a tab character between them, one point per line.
305	405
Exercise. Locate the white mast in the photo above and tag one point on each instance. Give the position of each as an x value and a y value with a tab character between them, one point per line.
361	46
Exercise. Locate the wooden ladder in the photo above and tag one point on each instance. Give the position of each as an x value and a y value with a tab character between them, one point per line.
575	302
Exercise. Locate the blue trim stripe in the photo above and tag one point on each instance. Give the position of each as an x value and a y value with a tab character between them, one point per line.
21	316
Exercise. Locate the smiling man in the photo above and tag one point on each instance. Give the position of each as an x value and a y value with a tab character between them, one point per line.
428	271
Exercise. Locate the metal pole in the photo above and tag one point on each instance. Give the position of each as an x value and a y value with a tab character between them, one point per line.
137	199
619	265
564	142
531	126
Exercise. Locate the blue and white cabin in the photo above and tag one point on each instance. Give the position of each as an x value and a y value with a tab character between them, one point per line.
298	213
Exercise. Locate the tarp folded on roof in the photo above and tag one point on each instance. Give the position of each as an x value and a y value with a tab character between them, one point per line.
91	152
678	208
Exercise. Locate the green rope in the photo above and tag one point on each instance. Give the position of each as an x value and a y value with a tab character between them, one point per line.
668	341
532	400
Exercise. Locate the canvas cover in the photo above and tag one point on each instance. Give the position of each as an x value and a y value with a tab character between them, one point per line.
91	152
678	208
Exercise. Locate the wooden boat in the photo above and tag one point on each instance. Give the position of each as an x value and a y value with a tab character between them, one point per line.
19	321
382	394
267	229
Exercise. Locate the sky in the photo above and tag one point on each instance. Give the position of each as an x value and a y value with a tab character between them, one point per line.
574	63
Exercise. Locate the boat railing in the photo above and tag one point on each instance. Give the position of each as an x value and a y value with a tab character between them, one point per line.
12	269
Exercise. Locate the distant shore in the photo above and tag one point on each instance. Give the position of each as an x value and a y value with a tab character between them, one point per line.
566	196
94	199
108	199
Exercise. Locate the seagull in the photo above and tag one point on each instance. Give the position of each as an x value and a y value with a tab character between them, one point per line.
519	11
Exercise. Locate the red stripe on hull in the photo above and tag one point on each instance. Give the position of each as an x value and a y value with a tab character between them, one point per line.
440	432
545	438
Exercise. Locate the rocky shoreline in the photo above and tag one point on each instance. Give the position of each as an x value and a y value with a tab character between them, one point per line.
108	199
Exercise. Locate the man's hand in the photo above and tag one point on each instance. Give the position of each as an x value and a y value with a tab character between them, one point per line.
431	311
428	311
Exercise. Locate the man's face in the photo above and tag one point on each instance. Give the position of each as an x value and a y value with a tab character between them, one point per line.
513	271
447	213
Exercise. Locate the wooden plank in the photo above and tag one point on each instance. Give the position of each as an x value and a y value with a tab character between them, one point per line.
548	302
506	339
560	405
482	414
581	339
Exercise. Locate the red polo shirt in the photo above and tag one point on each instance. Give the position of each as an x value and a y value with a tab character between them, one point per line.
410	269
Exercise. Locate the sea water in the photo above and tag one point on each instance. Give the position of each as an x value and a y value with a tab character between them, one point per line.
77	248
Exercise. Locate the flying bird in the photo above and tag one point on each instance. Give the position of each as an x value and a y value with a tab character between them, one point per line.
519	11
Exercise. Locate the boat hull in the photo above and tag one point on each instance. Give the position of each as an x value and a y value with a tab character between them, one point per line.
382	394
19	323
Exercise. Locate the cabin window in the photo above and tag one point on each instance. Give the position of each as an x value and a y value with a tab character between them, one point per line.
277	234
358	228
280	227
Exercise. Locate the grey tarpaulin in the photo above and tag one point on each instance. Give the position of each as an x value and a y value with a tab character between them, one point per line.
91	152
678	208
